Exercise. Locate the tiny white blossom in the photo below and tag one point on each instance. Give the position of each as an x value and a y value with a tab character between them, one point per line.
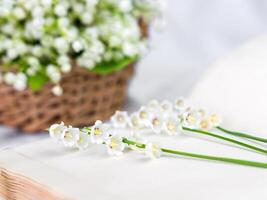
19	13
78	8
57	90
60	10
63	22
135	122
53	73
20	82
92	32
99	133
115	145
8	28
61	45
192	118
83	141
171	126
87	18
167	106
214	119
63	59
72	34
21	48
37	50
65	68
144	116
9	78
115	41
77	46
153	106
37	12
204	124
56	131
153	150
120	119
180	104
33	61
12	53
156	123
70	136
129	49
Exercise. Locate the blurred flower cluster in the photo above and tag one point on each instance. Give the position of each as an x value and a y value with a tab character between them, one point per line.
42	38
166	117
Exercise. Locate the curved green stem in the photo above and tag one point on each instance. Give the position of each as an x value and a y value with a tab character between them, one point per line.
216	158
226	139
244	135
202	156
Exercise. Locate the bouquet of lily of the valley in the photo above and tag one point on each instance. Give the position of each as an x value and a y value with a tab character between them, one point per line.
46	43
132	131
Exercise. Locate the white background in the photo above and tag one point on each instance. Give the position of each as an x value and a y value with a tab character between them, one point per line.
197	33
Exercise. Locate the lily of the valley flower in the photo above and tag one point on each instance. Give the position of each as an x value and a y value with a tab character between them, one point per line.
180	104
153	106
171	126
99	133
135	122
152	150
144	116
157	123
83	141
56	131
70	136
192	118
120	119
167	106
214	119
57	90
204	124
115	145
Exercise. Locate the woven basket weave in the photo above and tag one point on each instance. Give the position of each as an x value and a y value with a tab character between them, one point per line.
87	97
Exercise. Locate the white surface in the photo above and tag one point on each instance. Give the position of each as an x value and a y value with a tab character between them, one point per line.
93	174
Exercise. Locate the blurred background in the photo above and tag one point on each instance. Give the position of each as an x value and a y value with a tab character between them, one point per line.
196	34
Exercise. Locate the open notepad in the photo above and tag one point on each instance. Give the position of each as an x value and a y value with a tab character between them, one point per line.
46	170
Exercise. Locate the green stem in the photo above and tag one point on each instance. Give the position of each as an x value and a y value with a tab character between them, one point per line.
216	158
244	135
226	139
202	156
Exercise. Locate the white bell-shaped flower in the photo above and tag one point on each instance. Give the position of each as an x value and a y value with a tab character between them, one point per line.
153	150
115	145
120	119
70	136
56	131
99	133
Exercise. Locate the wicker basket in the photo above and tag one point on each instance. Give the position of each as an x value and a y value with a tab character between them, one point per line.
86	98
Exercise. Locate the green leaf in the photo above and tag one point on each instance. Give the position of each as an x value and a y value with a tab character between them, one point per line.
109	67
37	81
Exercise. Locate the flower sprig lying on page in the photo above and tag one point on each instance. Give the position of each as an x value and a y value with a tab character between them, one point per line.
160	118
